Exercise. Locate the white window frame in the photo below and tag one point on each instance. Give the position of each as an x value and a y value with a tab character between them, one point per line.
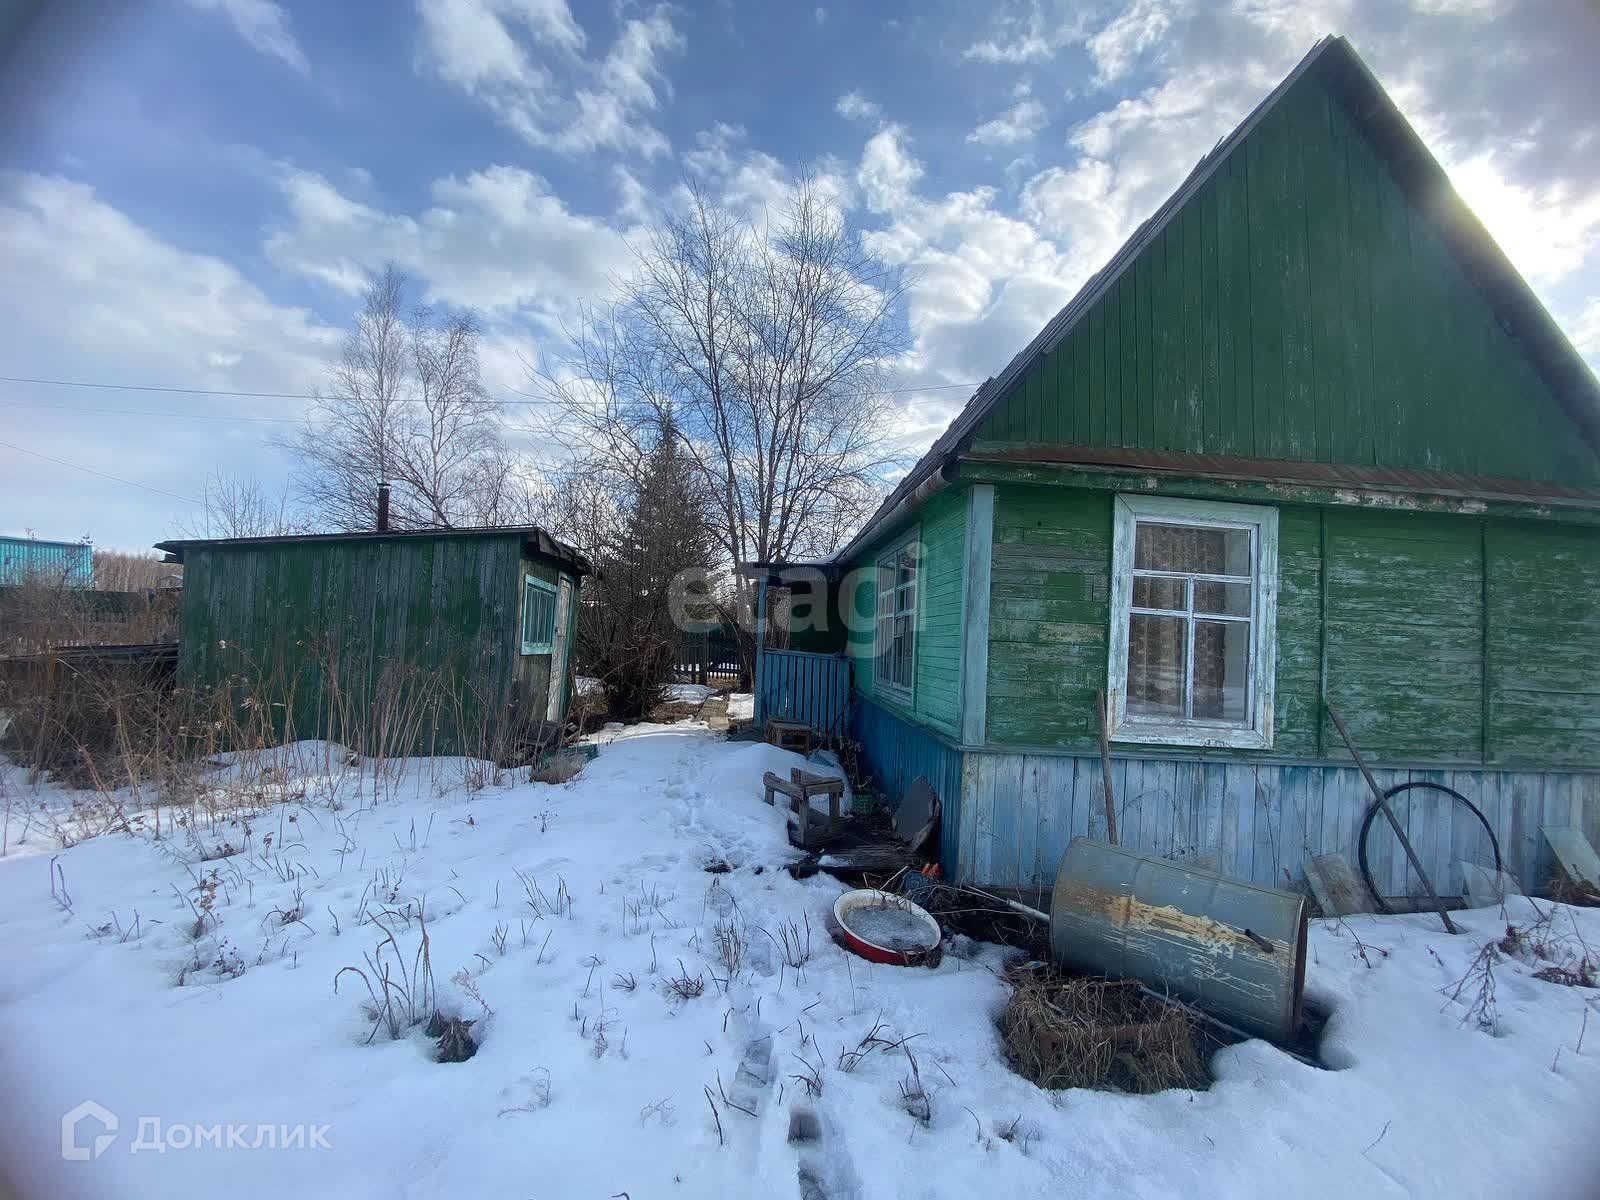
1262	523
890	559
532	583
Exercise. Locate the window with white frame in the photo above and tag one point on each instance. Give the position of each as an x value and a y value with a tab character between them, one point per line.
538	615
895	642
1194	610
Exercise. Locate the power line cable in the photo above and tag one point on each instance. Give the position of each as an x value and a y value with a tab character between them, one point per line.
182	391
61	462
144	412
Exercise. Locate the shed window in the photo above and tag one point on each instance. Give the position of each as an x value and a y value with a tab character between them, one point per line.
538	615
1194	609
895	643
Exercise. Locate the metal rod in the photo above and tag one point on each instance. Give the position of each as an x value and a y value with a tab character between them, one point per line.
1383	803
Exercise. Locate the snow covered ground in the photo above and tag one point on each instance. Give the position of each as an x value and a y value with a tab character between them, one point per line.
583	917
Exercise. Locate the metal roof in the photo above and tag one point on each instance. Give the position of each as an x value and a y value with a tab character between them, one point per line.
532	535
1514	303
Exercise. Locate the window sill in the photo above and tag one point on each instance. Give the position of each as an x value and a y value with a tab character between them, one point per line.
545	648
1210	737
904	698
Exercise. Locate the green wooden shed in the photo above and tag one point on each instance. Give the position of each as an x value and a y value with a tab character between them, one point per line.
1307	439
434	641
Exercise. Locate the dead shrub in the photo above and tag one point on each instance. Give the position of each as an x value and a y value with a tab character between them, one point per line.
1064	1031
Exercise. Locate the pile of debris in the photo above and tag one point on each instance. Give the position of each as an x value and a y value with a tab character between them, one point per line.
1065	1031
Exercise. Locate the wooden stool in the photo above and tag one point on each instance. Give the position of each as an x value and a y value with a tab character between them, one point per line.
799	788
789	735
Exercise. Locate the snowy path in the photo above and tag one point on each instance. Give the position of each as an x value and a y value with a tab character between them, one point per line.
587	1086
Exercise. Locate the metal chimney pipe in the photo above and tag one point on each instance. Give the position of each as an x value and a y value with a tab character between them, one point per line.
383	508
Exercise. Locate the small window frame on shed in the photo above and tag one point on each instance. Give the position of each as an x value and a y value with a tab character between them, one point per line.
1254	730
539	603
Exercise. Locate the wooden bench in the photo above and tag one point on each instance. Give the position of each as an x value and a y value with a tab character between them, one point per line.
800	787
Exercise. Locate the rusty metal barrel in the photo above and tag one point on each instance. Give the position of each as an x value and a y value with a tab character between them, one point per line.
1234	949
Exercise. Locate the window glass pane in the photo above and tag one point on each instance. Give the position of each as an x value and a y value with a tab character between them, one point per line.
1221	670
1159	593
1156	650
1225	599
1191	548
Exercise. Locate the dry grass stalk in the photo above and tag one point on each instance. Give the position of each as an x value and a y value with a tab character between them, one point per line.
1064	1031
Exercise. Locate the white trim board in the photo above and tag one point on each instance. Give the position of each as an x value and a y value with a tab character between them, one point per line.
975	613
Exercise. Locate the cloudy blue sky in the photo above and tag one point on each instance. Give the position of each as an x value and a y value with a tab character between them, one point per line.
191	190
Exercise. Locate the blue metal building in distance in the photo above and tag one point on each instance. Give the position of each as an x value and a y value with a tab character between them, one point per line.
59	563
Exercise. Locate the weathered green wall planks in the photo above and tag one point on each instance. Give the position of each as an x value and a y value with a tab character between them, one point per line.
1049	604
936	698
1405	636
1418	614
1299	307
1543	597
338	632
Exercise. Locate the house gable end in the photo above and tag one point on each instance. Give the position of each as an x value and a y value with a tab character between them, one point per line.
1301	305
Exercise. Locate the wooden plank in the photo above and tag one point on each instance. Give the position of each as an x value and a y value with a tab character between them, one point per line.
1029	802
1265	856
1242	784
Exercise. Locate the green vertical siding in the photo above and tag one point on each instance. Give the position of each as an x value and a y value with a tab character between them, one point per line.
1543	638
1405	635
1049	604
1050	610
1444	639
329	629
1299	307
936	698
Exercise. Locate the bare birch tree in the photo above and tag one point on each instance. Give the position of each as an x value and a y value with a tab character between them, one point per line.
405	404
234	506
768	343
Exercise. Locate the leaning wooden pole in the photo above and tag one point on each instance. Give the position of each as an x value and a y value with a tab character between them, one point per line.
1383	803
1105	768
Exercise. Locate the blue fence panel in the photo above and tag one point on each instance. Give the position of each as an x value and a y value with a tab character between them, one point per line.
896	752
814	688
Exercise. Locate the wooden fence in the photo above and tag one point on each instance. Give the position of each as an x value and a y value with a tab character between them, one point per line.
709	658
814	688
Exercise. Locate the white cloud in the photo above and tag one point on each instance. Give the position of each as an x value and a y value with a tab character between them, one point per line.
853	106
264	25
1131	33
820	14
1032	32
524	61
92	294
498	240
1586	331
1016	124
887	170
82	275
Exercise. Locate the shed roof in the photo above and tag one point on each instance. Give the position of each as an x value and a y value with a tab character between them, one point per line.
1519	311
533	537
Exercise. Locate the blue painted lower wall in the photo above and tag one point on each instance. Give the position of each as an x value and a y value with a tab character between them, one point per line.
1254	821
895	752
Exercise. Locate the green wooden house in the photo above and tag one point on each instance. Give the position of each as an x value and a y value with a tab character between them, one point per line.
1306	440
438	641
